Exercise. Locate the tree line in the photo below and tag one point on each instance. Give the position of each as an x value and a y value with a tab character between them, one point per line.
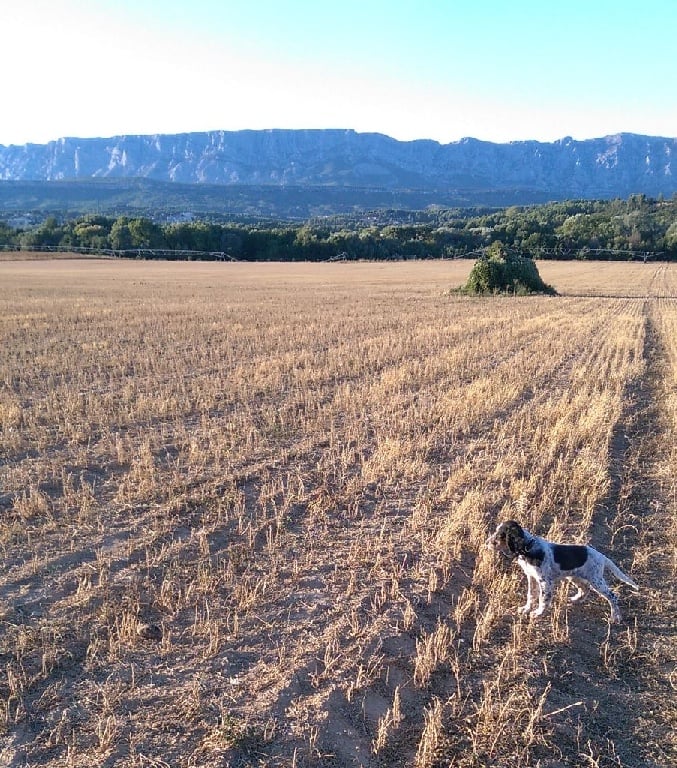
582	229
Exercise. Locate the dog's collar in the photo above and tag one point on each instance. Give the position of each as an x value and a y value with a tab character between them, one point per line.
528	544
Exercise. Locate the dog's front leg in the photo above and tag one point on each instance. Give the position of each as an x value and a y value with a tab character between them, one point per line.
530	598
544	598
581	592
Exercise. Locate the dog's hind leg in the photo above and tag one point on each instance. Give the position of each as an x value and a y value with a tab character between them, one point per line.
602	589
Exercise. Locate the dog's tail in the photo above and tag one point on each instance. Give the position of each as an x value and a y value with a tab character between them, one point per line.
619	574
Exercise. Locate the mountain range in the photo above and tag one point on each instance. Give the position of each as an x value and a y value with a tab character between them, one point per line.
468	170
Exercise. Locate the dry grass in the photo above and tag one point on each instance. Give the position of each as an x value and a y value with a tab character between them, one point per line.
243	509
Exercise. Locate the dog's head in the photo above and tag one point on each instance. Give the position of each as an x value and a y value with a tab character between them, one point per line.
508	539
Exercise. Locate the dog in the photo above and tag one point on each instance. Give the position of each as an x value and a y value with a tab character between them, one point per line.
546	563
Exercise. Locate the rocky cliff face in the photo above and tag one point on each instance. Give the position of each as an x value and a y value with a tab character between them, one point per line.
613	166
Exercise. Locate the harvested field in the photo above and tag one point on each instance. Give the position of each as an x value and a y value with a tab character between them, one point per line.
243	507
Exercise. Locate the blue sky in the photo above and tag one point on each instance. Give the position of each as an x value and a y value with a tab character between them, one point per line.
439	69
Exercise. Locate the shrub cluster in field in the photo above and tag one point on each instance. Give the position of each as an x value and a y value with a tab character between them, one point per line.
500	271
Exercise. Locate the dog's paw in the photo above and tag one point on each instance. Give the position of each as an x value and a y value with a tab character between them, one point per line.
538	612
524	610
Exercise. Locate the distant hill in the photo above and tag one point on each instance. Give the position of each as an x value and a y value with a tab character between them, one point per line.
331	170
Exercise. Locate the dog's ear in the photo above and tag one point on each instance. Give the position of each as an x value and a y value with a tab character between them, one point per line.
514	537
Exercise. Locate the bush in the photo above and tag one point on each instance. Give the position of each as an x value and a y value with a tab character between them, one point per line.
499	271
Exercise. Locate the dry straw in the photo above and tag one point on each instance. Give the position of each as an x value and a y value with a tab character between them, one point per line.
244	507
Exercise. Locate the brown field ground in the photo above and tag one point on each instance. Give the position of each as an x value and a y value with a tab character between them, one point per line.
243	507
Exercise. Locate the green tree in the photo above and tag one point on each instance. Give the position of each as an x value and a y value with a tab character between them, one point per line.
120	236
8	235
145	234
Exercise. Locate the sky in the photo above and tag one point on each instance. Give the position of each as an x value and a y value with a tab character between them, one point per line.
496	70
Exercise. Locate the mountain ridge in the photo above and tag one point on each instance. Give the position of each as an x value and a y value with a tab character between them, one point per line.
612	166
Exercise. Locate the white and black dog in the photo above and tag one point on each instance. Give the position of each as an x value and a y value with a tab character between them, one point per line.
545	563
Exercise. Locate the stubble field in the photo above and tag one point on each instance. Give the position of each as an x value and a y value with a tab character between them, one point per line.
243	507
